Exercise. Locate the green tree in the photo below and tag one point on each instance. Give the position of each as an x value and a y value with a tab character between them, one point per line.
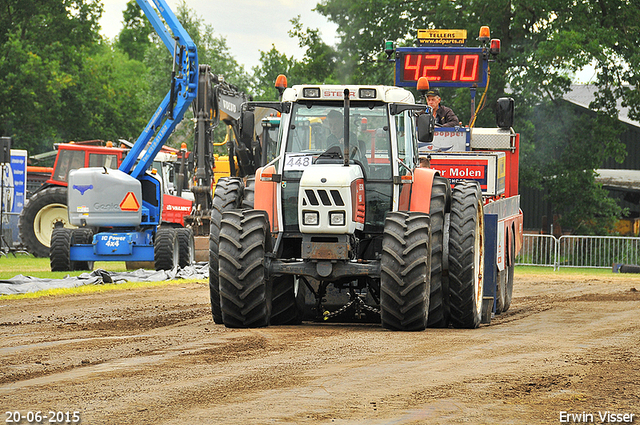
43	45
212	50
135	37
566	167
272	64
319	64
320	60
544	42
111	93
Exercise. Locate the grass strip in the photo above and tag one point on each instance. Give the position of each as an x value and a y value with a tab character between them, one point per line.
99	288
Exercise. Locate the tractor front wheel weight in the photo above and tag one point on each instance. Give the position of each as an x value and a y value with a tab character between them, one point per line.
405	271
227	196
466	255
245	293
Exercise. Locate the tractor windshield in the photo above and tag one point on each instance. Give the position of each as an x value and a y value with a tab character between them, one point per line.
318	129
407	149
68	160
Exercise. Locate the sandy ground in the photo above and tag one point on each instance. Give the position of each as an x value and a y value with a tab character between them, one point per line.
154	356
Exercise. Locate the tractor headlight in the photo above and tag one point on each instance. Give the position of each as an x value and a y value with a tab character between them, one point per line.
310	218
311	92
336	218
367	93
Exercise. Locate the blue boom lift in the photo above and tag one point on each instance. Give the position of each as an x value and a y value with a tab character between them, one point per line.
123	206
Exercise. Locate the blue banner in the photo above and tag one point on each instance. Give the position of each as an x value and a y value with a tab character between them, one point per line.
13	181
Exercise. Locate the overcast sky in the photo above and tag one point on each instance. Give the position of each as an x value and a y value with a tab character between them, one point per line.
248	25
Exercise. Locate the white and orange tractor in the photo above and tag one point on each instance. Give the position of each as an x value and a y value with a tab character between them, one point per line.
347	226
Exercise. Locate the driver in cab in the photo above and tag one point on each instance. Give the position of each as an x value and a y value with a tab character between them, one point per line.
335	122
445	117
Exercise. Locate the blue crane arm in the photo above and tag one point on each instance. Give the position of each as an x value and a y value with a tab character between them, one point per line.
184	86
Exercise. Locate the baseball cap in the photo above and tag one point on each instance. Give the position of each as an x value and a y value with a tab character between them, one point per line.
433	92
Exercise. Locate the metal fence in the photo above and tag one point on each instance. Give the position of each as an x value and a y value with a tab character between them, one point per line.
578	251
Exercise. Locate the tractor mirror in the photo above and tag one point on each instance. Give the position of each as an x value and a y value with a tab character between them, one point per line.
504	112
426	125
247	127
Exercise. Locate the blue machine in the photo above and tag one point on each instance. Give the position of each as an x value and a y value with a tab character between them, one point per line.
122	207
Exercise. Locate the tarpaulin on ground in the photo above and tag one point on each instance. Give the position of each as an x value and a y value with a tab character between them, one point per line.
24	284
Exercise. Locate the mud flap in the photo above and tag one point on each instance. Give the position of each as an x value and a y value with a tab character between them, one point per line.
487	310
490	267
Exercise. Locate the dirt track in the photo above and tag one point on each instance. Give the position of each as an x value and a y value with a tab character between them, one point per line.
154	356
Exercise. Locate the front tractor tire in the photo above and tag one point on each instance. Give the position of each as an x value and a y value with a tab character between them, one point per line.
60	250
501	281
405	271
186	247
84	236
226	197
46	210
245	292
466	255
166	251
287	305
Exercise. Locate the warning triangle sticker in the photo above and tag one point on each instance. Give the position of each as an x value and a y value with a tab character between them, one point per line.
129	203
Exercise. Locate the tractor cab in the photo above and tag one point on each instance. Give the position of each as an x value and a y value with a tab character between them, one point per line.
343	176
343	136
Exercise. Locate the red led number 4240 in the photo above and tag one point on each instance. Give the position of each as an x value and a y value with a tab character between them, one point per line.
441	67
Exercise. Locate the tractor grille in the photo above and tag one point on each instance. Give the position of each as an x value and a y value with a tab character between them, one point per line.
315	197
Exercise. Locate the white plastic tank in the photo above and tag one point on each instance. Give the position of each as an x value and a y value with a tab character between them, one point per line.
102	197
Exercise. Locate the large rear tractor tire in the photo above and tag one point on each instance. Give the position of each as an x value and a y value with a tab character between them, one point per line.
60	250
466	255
226	197
438	310
287	305
165	249
245	293
406	271
46	210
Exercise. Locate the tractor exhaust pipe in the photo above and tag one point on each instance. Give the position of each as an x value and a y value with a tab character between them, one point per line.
346	127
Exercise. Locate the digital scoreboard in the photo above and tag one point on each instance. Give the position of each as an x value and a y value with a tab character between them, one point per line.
442	66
